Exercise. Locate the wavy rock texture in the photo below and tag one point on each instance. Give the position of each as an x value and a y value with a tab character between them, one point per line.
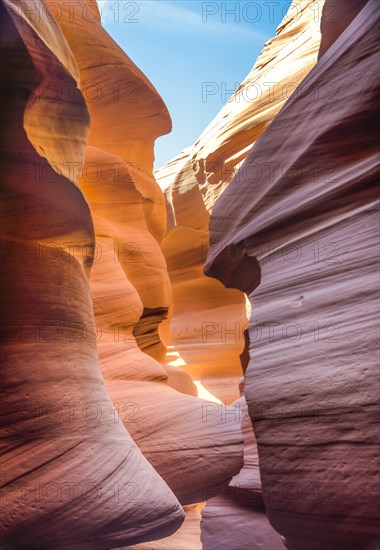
121	499
308	233
129	282
81	201
208	319
71	474
241	502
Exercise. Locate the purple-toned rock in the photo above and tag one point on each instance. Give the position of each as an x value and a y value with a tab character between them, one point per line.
305	241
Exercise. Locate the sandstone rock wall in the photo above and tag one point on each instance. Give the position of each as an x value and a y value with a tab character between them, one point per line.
87	291
288	231
107	310
209	320
65	454
305	254
130	285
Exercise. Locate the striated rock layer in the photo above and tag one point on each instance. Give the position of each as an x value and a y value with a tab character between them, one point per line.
209	320
85	215
89	302
305	242
129	281
71	474
241	501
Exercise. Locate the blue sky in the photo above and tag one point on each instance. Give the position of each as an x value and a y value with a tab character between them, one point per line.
195	53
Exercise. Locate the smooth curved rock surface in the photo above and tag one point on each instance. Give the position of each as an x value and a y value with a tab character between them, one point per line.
81	199
236	518
130	285
186	538
309	234
71	474
196	450
208	320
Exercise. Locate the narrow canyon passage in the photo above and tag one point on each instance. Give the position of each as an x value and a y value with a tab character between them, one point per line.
189	353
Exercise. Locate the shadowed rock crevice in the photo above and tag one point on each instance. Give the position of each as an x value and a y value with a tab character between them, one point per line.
146	332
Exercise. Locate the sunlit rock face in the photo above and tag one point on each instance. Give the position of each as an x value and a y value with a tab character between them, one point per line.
305	240
204	329
129	281
87	283
208	320
72	477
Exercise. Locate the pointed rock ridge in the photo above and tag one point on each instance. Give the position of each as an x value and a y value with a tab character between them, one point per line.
312	382
129	281
72	477
208	320
283	63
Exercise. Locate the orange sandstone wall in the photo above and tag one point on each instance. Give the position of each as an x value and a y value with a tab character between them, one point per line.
97	293
208	319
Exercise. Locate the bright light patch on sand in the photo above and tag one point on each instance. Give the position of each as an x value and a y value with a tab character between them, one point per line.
174	359
179	362
205	394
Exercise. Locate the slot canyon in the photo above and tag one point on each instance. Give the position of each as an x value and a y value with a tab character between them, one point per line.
189	353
